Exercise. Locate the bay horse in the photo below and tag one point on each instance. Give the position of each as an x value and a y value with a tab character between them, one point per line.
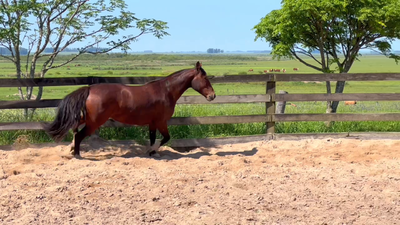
151	104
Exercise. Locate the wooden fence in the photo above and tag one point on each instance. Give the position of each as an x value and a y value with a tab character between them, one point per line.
269	98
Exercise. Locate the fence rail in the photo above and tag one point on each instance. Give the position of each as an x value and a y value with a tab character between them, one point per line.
46	103
224	99
270	98
70	81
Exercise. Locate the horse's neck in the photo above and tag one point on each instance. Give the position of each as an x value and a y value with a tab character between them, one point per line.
176	87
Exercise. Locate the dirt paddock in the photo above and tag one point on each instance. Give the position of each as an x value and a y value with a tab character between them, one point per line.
321	181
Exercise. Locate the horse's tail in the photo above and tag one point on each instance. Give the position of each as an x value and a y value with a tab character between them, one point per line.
69	114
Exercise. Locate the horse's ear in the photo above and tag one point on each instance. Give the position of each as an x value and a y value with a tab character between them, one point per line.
198	65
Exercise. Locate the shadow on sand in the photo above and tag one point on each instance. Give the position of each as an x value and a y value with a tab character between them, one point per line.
165	154
98	150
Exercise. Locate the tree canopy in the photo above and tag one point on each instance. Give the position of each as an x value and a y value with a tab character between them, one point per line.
45	28
331	32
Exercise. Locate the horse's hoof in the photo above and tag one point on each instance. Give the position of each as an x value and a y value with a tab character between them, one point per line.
77	156
154	154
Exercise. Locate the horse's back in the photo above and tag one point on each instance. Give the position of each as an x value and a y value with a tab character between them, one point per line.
127	96
129	104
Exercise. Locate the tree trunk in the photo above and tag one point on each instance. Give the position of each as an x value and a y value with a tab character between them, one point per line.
339	89
21	93
333	105
19	76
29	92
328	91
38	97
28	112
40	90
328	103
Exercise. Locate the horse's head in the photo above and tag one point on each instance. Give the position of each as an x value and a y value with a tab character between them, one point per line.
201	84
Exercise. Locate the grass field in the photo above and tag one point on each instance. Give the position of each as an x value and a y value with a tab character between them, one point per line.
162	65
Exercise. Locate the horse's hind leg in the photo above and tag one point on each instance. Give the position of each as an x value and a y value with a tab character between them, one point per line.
75	131
165	133
163	128
72	149
78	138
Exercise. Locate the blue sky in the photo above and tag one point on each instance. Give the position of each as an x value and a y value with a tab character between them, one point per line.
199	25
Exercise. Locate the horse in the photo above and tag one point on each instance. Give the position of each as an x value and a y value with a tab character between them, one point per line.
151	104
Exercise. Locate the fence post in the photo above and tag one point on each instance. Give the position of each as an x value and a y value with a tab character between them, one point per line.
270	107
280	106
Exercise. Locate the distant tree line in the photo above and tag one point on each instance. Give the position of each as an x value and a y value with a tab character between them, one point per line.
24	51
215	50
5	51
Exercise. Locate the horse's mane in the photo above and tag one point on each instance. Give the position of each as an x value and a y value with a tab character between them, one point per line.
174	74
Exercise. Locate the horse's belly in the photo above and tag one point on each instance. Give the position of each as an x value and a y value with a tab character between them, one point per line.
138	117
136	121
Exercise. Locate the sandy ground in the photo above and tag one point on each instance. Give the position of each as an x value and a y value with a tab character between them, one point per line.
328	181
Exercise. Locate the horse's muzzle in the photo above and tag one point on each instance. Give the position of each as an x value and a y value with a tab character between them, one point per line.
211	97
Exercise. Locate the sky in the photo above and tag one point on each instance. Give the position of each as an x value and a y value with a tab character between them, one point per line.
199	25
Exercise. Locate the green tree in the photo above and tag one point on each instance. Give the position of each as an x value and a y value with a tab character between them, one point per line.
336	29
48	27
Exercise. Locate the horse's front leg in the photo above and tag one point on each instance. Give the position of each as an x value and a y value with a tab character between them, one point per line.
152	134
163	128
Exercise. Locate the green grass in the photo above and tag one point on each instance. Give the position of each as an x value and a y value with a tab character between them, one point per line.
162	65
222	130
